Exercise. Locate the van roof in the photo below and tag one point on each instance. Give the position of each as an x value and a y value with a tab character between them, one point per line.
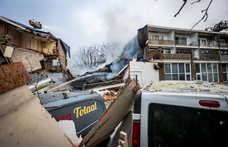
187	87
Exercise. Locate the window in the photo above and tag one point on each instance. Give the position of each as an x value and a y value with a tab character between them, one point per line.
203	42
181	41
225	72
207	72
177	71
54	62
222	42
166	51
176	126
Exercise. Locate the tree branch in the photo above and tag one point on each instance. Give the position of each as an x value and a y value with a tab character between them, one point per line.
205	16
181	8
195	2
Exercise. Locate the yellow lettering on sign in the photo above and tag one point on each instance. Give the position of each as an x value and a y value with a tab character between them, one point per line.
85	110
88	109
77	111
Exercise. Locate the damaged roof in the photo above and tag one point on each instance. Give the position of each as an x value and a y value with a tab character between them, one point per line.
26	28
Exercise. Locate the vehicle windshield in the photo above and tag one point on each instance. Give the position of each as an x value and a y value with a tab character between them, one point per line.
174	126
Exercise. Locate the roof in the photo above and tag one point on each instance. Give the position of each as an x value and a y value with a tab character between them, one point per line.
187	87
167	29
35	31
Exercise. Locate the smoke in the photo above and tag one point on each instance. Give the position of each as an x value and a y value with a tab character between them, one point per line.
130	50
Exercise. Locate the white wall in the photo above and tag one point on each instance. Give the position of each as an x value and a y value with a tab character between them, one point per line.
144	71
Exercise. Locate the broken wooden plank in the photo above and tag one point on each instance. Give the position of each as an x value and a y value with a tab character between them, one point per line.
13	75
25	122
109	97
112	116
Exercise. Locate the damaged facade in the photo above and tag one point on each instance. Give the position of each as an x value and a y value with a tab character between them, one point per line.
180	54
37	50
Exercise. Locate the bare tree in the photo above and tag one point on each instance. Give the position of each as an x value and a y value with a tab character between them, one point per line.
111	49
91	56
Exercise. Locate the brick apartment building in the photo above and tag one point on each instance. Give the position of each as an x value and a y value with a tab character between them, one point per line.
186	55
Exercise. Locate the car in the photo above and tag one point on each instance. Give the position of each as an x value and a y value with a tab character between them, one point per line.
181	113
83	107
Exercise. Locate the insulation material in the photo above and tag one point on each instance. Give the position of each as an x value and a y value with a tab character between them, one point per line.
26	123
30	59
13	75
8	52
16	36
112	117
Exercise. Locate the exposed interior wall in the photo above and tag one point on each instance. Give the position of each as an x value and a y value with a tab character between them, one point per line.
2	29
26	40
144	72
30	59
16	36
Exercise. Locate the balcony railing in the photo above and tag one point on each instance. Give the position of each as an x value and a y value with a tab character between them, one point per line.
224	57
208	57
161	42
224	45
176	56
209	44
181	42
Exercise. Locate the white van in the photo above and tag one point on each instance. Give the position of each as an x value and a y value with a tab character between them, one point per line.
180	114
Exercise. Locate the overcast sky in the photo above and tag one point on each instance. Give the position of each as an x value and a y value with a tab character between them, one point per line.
85	22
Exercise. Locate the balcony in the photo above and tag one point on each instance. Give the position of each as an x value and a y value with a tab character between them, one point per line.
161	42
181	42
176	56
224	45
208	57
209	44
157	54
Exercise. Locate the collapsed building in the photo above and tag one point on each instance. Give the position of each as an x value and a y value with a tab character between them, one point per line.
37	50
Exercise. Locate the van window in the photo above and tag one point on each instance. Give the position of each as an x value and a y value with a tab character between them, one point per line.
175	126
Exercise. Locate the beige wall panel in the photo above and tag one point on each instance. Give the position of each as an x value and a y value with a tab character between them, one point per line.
33	43
26	123
30	59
